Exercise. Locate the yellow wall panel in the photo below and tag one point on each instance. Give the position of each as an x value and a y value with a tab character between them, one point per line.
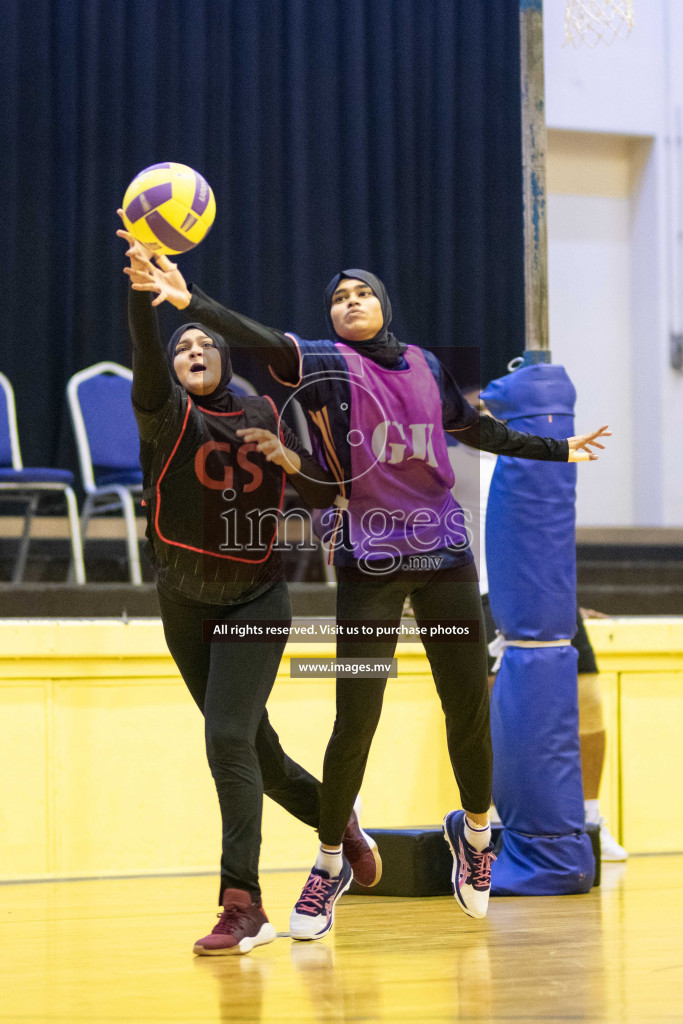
645	643
409	773
302	714
104	770
652	761
609	785
24	793
134	792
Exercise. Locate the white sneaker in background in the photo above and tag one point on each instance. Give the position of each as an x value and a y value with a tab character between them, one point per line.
610	850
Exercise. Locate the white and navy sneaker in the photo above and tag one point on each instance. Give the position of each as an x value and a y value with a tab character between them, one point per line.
313	914
471	875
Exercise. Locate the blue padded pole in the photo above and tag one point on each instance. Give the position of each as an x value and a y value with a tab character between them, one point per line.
531	559
530	550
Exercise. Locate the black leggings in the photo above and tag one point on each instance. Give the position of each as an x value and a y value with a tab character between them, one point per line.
231	682
459	671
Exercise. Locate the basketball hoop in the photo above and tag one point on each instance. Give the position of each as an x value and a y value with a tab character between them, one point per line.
592	21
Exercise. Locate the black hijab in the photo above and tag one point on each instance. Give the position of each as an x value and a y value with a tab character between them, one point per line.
220	397
384	348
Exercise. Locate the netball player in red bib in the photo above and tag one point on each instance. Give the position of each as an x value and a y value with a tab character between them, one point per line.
212	462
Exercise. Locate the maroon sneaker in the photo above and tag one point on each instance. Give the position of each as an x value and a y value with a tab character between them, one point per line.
361	851
241	926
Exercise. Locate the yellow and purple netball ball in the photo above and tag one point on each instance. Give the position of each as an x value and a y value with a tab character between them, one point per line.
169	208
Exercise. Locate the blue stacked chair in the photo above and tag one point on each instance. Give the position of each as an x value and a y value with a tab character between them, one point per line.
32	485
106	434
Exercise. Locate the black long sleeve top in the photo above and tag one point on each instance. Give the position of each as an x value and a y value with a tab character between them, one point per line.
282	353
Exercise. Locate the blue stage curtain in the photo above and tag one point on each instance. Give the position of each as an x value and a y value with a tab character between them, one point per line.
378	133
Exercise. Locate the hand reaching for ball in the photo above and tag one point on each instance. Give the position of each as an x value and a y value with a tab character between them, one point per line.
154	272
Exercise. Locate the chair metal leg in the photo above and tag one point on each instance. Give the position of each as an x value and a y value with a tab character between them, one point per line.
86	514
76	543
328	570
112	500
131	536
20	564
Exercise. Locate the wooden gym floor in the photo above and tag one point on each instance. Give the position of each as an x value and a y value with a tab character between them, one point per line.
115	951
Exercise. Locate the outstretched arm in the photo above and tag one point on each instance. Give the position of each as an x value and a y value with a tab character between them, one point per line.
490	435
482	431
162	277
151	380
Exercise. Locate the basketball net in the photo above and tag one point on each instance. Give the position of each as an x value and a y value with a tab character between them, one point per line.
592	21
